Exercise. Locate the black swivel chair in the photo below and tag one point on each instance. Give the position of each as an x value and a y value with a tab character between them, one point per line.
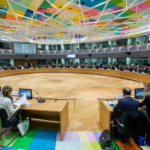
128	127
5	122
134	123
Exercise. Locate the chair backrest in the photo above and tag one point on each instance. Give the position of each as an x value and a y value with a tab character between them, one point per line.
143	122
129	126
4	118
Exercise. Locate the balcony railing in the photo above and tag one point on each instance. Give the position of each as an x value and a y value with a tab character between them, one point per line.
131	48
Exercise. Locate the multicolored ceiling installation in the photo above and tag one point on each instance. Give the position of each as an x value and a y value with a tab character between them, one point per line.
72	21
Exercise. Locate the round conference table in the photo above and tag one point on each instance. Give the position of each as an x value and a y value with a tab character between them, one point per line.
139	77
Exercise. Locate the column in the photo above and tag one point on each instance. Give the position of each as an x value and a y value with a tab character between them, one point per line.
62	61
62	47
110	43
114	43
109	60
12	62
128	59
129	41
114	60
47	47
56	61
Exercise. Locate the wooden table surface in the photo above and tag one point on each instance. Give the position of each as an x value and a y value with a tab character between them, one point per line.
48	106
145	78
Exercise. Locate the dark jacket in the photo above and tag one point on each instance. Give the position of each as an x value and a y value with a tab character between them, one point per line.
126	105
146	102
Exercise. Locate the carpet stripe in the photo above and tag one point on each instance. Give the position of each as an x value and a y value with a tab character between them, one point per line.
95	146
91	136
44	139
83	137
24	142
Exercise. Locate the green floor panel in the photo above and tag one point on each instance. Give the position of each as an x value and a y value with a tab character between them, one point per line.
24	142
9	137
114	145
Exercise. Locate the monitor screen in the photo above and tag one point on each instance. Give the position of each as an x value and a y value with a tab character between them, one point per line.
27	92
139	93
71	55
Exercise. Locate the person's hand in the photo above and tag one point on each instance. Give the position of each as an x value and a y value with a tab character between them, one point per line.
23	105
19	98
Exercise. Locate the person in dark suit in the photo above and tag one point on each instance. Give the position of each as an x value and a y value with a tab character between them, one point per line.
145	70
127	104
146	100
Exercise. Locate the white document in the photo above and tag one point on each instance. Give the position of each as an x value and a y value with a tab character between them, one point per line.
23	101
110	102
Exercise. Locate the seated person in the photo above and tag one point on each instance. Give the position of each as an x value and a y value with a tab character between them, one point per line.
6	102
146	100
97	66
5	67
13	67
1	68
19	67
139	69
130	68
134	69
127	104
90	66
126	68
145	70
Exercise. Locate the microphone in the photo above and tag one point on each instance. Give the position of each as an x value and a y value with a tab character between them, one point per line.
40	100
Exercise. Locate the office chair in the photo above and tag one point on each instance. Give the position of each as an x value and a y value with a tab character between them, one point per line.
126	128
5	123
131	127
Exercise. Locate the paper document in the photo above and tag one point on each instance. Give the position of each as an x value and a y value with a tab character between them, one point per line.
23	101
110	102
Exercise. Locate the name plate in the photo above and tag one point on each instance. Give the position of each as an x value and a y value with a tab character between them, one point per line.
14	93
118	96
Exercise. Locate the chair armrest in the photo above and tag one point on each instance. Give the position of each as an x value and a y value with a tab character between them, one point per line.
121	125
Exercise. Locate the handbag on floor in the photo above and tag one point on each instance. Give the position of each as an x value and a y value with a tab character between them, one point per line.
23	126
105	139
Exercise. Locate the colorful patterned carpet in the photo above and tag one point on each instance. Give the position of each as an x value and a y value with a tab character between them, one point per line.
40	139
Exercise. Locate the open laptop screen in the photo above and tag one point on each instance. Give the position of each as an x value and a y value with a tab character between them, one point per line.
27	92
139	93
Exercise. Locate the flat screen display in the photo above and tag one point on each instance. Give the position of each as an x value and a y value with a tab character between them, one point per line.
139	93
27	92
71	55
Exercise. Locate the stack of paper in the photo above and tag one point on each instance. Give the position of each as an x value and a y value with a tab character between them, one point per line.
23	101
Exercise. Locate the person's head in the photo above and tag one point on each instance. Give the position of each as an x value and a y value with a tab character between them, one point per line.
147	90
126	92
6	90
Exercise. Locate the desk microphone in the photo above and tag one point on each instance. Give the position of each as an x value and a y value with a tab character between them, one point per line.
40	100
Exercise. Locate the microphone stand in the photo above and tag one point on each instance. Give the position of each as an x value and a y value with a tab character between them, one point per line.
40	100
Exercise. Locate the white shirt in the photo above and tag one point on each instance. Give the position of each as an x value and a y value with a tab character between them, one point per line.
6	103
